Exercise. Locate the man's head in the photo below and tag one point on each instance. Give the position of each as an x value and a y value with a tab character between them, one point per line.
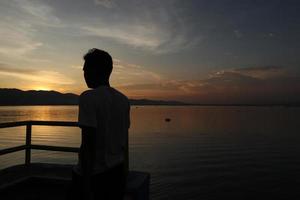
97	68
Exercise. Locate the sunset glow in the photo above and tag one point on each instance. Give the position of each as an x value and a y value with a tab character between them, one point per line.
42	88
193	51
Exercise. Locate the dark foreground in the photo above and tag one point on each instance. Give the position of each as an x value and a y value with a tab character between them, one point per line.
52	181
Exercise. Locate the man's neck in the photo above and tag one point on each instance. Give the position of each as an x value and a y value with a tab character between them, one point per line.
103	84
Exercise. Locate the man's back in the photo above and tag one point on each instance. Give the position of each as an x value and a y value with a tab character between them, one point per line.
107	110
104	122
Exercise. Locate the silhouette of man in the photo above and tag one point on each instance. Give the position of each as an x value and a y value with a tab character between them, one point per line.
104	121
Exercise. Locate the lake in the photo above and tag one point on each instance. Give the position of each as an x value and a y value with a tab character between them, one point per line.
204	152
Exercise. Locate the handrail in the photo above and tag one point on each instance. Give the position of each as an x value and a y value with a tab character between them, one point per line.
55	148
28	146
13	124
12	149
38	123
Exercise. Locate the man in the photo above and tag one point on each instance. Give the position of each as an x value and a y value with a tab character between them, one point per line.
104	121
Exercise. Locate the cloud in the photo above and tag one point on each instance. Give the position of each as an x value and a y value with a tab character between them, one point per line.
32	75
133	35
5	68
19	32
39	13
263	72
144	36
159	30
238	34
155	27
105	3
226	86
260	68
18	40
125	73
128	74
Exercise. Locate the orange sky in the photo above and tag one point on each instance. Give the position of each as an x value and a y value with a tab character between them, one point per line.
194	51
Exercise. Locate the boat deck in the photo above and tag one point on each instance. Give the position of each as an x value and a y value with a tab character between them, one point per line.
52	181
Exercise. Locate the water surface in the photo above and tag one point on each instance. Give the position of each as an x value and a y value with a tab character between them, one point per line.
202	153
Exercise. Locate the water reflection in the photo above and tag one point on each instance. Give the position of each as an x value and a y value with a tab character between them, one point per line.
207	152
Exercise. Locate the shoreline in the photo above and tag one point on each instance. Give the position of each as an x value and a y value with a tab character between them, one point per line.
176	105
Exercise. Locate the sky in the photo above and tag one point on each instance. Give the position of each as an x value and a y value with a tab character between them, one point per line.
197	51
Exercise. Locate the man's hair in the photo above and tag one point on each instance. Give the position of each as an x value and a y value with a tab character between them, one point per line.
100	60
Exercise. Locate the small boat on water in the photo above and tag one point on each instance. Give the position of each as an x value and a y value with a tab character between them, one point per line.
51	181
167	119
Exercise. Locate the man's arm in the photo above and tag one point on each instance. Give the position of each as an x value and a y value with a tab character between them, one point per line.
126	152
88	135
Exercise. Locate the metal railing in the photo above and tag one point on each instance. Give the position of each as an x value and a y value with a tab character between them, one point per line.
28	146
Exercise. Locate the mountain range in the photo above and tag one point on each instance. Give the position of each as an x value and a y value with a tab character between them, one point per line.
13	96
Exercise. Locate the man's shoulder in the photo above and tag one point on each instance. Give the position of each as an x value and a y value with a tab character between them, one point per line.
120	94
94	92
100	93
86	94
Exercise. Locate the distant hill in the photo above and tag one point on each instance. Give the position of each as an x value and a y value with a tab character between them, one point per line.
36	97
155	102
33	97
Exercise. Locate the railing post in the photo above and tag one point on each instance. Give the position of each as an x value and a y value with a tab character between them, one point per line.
127	156
28	143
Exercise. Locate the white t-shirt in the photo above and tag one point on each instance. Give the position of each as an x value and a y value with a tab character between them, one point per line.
107	110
